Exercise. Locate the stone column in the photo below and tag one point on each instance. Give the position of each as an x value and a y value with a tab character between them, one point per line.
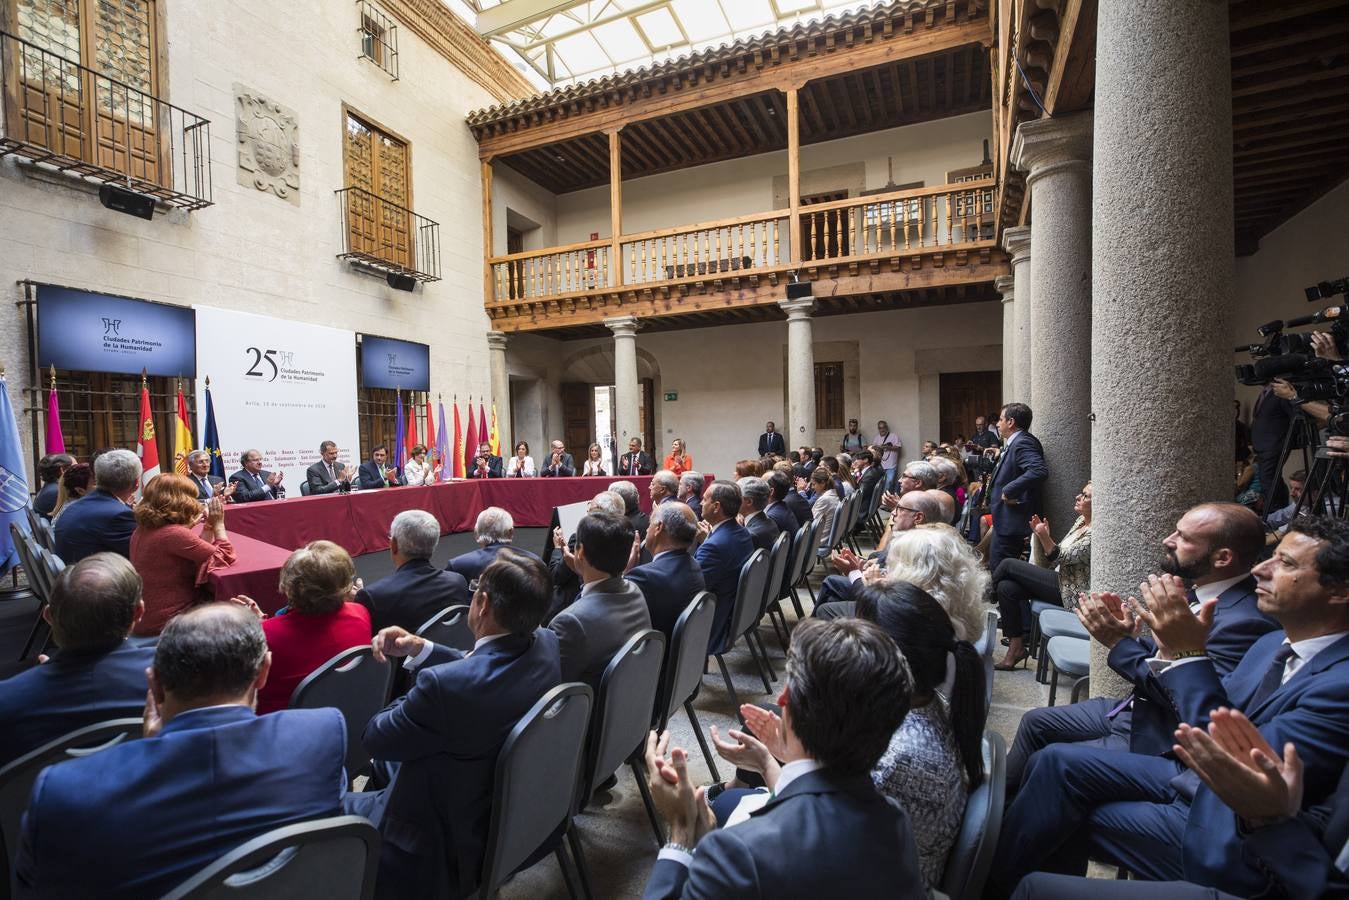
1161	379
1016	241
501	383
800	430
626	409
1004	284
1056	154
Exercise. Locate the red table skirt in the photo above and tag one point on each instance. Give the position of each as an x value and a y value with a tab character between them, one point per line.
255	573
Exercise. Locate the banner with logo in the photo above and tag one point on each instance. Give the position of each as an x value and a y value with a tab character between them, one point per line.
280	387
92	332
387	363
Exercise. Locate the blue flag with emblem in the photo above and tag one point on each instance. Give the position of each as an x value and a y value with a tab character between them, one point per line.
13	484
210	439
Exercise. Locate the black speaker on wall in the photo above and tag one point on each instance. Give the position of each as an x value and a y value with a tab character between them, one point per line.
124	201
401	282
798	289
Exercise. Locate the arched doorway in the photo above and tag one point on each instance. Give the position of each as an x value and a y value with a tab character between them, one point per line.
587	388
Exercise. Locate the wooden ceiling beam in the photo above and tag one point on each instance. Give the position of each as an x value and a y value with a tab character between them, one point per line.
1260	12
1261	102
751	121
1290	114
1279	39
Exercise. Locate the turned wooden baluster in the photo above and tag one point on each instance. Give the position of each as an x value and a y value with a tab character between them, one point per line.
950	216
814	243
922	215
717	259
893	224
852	234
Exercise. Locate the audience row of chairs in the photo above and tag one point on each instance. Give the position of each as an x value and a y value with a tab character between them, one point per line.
42	566
1061	645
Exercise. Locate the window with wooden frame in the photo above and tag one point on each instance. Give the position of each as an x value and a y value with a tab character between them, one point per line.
829	395
377	165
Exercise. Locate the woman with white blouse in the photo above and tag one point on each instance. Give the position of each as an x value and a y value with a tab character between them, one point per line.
521	465
595	463
418	470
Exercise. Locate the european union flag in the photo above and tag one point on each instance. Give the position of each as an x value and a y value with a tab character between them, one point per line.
13	484
210	440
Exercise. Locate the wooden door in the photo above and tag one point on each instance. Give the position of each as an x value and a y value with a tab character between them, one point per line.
646	412
378	220
965	395
578	411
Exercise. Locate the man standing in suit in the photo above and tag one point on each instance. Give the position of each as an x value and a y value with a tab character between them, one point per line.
609	610
446	734
96	675
1270	418
671	580
494	530
763	531
725	547
209	775
636	461
102	519
328	476
691	492
1014	489
826	831
771	442
208	485
416	590
252	483
377	473
558	463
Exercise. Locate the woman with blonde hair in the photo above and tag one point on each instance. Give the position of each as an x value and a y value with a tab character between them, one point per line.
595	463
679	461
938	560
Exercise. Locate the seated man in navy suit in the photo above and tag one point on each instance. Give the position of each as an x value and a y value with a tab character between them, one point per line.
328	476
446	734
485	464
494	530
1212	548
779	487
827	831
96	675
209	775
416	590
671	580
725	547
691	492
252	482
208	485
558	463
1149	813
763	531
377	473
102	519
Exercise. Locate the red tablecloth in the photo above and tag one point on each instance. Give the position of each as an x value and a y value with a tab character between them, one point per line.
255	573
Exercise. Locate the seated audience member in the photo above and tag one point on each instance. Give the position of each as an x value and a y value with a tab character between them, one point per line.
826	503
725	547
494	530
252	482
416	590
102	519
949	481
609	610
318	582
779	486
418	470
636	461
174	561
1212	548
485	464
913	509
521	464
827	831
678	460
691	492
376	471
1247	491
1149	813
558	463
1057	573
328	476
664	487
208	485
869	477
799	505
49	470
208	776
671	580
763	531
1282	516
595	463
562	562
96	674
771	442
445	735
748	467
77	481
632	505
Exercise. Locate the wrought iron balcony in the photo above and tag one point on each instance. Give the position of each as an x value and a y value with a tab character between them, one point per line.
384	236
63	116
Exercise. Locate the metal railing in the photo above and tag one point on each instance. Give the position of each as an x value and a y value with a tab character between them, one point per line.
64	116
385	236
379	37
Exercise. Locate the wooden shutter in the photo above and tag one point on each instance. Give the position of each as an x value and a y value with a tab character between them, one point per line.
379	221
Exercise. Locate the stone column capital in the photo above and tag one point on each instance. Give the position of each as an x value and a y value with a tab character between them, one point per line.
1005	285
1043	146
622	326
799	309
496	340
1016	241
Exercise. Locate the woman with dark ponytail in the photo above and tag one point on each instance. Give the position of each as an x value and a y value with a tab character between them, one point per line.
936	755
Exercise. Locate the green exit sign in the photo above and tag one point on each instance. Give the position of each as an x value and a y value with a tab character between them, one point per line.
671	395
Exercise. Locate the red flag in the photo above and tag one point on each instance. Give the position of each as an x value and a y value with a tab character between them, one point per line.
458	447
411	440
484	437
147	447
470	439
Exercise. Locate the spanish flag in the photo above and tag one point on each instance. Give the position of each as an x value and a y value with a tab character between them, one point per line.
182	435
496	438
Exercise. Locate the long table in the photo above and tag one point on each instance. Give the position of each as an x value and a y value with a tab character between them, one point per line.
256	573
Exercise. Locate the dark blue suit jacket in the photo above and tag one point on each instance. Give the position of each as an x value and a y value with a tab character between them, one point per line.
1020	472
566	470
369	477
800	506
248	490
772	443
447	733
71	691
763	531
781	513
213	779
695	503
45	501
721	557
824	836
669	583
1298	855
471	564
96	522
412	595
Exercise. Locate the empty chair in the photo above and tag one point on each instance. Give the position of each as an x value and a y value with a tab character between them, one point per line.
449	628
745	619
684	669
803	552
984	646
353	682
1056	623
972	853
807	566
1069	656
778	559
336	858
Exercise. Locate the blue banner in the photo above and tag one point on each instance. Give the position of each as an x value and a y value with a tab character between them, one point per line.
13	486
92	332
386	363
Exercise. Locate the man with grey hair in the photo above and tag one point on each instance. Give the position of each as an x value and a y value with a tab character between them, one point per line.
754	493
664	487
917	475
632	503
416	590
562	562
102	519
691	491
948	478
208	485
493	530
673	578
252	482
725	547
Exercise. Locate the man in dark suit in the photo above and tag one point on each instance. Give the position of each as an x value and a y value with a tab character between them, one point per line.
691	492
1149	813
1270	417
377	473
725	547
446	734
846	693
328	476
754	494
96	675
494	530
208	485
771	442
636	461
485	464
102	519
664	487
1014	491
558	463
50	469
209	775
416	590
1213	547
671	580
870	478
632	505
252	482
609	610
779	507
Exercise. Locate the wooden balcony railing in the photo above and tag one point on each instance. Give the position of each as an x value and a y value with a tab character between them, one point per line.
552	272
742	245
884	224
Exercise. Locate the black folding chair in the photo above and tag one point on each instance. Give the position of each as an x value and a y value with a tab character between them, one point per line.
449	628
972	854
744	619
684	669
778	559
353	682
802	554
